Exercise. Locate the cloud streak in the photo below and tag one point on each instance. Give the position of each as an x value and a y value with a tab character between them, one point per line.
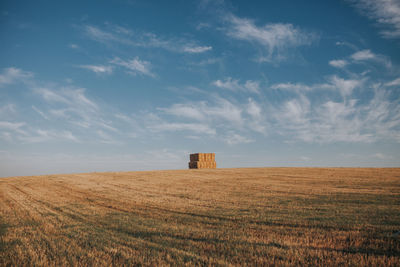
338	63
177	127
332	121
40	136
235	139
234	85
230	122
337	116
363	55
98	69
275	38
134	66
74	107
385	12
13	126
117	34
395	82
196	49
13	75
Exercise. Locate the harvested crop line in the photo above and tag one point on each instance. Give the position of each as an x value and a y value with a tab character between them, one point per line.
261	216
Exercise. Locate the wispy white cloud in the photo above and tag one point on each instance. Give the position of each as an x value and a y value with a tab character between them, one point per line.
229	84
51	96
106	138
125	118
203	25
9	129
276	38
73	106
14	126
338	63
220	115
295	112
367	55
252	86
257	121
225	110
100	35
234	85
334	83
73	46
190	111
395	82
40	135
331	119
363	55
253	109
297	117
117	34
134	66
234	139
98	69
206	62
344	86
342	118
295	87
216	118
346	121
198	128
221	110
385	12
40	112
6	110
13	75
25	132
344	43
196	49
83	118
73	97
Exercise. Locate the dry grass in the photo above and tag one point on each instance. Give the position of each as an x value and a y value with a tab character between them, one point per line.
261	216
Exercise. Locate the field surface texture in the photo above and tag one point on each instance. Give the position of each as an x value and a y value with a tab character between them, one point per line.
221	217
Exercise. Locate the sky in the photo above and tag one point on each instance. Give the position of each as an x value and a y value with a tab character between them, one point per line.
125	85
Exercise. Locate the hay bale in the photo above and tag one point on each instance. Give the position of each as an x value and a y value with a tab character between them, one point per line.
202	161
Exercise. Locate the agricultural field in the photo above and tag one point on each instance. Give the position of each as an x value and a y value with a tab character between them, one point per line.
217	217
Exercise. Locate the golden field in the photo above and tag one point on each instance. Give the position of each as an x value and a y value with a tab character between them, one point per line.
217	217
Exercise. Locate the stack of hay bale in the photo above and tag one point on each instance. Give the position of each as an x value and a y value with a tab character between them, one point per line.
202	161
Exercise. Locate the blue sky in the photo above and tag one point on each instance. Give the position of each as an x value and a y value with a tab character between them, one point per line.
138	85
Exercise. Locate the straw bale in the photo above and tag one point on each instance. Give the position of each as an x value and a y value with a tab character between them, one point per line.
202	161
202	157
194	157
202	164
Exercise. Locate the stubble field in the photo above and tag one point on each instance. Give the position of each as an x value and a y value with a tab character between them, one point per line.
222	217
